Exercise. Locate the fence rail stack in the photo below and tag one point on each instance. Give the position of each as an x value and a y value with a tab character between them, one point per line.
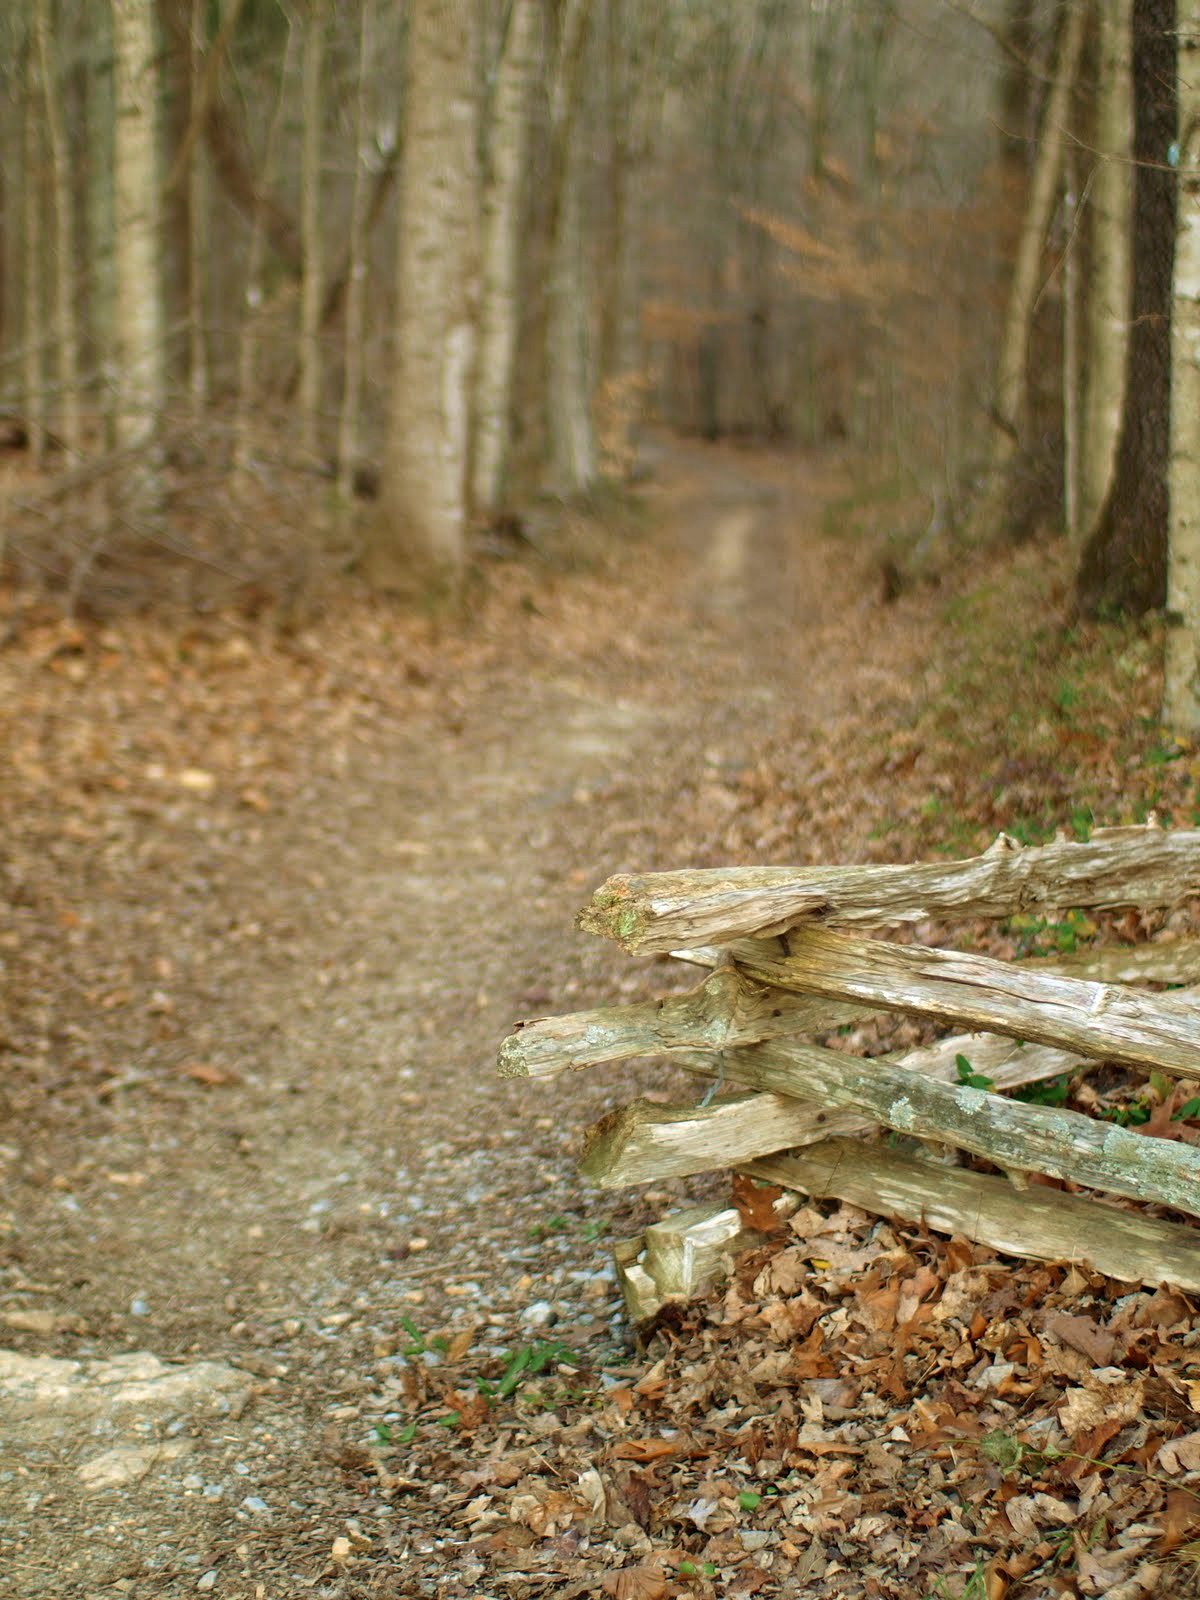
789	963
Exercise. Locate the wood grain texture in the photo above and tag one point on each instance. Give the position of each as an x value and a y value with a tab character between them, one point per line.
666	911
1094	1019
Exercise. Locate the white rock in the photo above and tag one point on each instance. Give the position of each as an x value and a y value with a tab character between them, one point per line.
129	1463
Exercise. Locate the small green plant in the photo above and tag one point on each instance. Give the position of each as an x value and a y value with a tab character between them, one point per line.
1038	936
418	1344
748	1500
968	1077
695	1569
523	1364
1050	1092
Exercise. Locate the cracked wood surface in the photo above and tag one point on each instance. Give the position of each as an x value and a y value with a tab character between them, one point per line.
1094	1019
665	911
1015	1136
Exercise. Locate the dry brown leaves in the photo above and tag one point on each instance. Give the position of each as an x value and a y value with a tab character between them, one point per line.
865	1411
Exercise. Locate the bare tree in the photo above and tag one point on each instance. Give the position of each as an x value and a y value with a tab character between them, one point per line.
33	330
1123	566
311	280
573	459
1182	704
1012	365
356	271
503	216
141	381
1107	306
417	539
65	322
248	347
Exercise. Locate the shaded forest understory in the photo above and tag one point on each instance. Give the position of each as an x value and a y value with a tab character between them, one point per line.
274	895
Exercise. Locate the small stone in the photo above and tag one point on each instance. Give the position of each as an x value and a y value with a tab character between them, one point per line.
339	1550
139	1307
253	1503
537	1314
208	1580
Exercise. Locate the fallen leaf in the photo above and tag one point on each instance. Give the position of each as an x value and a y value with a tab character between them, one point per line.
1083	1334
644	1449
1181	1455
635	1583
214	1077
756	1204
1180	1516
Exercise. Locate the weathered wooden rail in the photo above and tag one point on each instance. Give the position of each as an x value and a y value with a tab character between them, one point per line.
785	973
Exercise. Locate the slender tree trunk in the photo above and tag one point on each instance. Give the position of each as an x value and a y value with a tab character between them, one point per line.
570	430
1181	709
574	463
175	246
66	327
418	539
33	331
198	227
356	271
1107	309
503	215
1071	295
1012	368
243	423
141	390
1124	563
311	282
633	47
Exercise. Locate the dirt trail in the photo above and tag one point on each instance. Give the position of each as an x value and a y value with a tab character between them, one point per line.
367	1166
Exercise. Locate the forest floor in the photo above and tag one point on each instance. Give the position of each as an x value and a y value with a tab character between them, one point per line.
299	1298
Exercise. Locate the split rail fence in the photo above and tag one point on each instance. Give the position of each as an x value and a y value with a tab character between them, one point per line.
788	965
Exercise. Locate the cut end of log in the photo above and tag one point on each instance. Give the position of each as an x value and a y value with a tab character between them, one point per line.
610	914
679	1257
510	1060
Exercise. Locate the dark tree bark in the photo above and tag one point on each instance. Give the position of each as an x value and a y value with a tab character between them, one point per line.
1123	567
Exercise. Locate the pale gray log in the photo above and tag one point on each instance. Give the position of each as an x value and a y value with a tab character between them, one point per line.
1046	1225
1061	1144
724	1010
668	911
1095	1019
647	1143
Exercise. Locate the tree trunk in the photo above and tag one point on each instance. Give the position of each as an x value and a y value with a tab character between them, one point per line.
418	539
1107	309
574	459
66	326
1012	367
198	228
1124	563
33	332
1181	708
503	213
141	395
356	272
243	419
311	288
571	434
176	85
634	47
1071	295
